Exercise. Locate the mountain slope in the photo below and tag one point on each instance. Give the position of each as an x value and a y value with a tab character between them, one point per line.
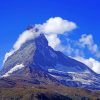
47	92
43	65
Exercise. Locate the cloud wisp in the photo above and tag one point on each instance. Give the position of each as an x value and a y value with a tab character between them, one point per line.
87	41
91	63
54	26
57	25
25	36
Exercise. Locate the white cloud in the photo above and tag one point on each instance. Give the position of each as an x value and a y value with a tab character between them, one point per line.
50	29
7	55
57	25
87	41
91	62
73	50
26	35
15	68
53	40
70	48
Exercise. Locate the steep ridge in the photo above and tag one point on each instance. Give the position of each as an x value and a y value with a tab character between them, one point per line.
43	65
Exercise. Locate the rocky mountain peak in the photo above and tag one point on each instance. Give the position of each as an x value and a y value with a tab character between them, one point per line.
37	60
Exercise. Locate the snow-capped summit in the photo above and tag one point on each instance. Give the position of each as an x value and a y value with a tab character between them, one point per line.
35	60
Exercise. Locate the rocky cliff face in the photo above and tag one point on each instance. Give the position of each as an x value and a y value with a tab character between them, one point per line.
36	62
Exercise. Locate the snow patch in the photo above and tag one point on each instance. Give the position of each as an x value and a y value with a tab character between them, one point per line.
15	68
54	70
55	76
81	77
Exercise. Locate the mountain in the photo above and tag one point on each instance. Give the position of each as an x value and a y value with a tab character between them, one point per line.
37	63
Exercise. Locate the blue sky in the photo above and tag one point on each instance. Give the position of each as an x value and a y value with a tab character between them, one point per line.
16	15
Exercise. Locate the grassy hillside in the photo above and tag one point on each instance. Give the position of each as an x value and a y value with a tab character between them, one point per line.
47	92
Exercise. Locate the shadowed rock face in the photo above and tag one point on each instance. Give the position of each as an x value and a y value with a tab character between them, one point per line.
38	53
37	58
